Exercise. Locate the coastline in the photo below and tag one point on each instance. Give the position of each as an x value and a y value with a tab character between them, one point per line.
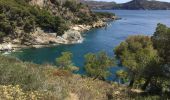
47	39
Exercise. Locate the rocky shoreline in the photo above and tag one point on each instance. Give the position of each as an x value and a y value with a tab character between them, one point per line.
41	38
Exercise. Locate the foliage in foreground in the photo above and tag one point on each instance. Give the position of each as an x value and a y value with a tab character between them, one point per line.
53	83
147	60
97	65
137	54
50	83
65	62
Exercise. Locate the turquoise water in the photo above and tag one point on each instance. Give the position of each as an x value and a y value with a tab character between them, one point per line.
133	22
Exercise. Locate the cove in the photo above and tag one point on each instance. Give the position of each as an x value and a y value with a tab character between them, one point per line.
133	22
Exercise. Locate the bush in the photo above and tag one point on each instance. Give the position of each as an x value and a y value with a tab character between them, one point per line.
97	65
71	5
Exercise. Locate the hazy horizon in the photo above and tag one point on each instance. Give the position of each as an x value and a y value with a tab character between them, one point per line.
123	1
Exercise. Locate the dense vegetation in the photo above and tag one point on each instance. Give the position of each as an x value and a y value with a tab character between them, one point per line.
52	16
137	54
19	14
147	61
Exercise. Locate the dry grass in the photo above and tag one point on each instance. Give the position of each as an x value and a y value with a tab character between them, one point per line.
27	81
46	79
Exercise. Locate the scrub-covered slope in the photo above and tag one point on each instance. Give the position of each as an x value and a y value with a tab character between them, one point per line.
34	22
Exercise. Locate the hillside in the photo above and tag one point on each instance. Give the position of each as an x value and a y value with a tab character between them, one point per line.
132	5
43	22
99	4
27	81
146	5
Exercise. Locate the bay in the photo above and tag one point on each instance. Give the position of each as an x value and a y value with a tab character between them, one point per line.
133	22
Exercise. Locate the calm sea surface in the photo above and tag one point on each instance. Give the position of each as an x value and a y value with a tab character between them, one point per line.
133	22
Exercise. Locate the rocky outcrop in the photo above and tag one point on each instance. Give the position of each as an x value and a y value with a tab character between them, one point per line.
5	47
40	38
73	35
40	3
98	24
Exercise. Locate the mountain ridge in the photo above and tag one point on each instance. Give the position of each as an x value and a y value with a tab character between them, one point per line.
131	5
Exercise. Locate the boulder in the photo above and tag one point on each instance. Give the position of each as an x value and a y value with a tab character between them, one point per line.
72	36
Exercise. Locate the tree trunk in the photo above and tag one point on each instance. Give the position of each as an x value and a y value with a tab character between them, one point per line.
96	77
146	83
132	82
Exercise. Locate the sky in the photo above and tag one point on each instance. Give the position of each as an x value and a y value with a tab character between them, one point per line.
123	1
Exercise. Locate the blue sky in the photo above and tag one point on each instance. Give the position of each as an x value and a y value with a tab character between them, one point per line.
122	1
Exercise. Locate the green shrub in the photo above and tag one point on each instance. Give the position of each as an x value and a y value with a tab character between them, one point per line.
97	65
71	5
